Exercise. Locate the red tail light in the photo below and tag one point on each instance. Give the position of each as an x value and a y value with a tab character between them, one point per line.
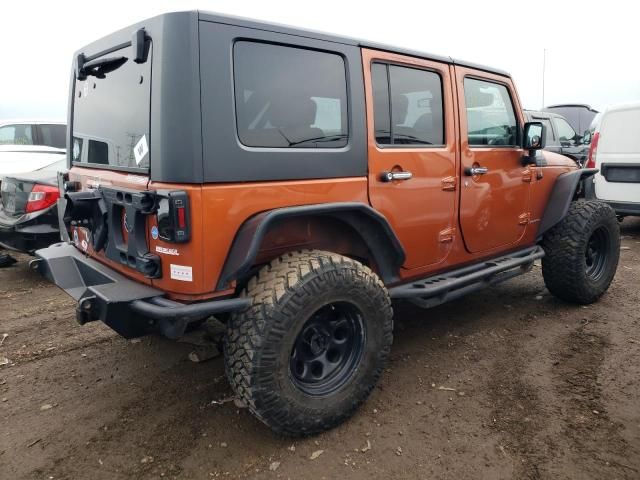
182	218
593	151
41	197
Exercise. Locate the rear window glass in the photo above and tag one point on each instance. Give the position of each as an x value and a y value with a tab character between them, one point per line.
53	135
620	132
289	97
565	131
111	114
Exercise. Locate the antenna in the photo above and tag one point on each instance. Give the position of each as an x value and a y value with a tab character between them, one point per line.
544	67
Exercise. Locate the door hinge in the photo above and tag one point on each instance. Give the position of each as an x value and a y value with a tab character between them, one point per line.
449	184
527	175
446	235
524	218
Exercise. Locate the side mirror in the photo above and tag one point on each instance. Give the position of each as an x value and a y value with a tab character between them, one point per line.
533	136
533	140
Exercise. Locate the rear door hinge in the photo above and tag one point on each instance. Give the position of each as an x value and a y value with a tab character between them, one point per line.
527	175
446	235
449	184
524	218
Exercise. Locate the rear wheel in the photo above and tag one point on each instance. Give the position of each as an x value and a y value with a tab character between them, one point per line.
582	252
313	344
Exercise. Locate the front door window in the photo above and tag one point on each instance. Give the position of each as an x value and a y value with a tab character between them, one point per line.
494	198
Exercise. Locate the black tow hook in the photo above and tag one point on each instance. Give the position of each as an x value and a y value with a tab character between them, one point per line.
85	310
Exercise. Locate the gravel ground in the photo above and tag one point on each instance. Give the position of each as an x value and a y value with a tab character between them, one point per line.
508	383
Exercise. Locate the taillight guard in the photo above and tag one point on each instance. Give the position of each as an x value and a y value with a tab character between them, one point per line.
173	217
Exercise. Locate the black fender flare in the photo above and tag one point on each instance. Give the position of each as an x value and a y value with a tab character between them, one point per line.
372	227
562	195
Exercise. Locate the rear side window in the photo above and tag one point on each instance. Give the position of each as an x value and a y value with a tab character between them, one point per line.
565	131
289	97
19	134
407	106
549	139
491	120
53	135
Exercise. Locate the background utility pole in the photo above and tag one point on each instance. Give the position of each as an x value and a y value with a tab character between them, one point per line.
544	67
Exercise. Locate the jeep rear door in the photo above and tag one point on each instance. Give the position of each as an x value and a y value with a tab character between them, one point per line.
412	151
495	186
110	128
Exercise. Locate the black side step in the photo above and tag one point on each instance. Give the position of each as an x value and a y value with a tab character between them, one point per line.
441	288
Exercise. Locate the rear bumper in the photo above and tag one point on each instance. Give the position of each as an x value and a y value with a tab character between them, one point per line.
128	307
623	208
30	235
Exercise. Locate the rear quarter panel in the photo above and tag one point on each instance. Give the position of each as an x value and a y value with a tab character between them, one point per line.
226	207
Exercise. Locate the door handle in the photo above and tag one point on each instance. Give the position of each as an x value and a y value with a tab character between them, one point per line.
472	171
393	176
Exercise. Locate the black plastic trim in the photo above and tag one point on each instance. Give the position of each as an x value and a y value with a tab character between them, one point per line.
371	225
113	168
562	195
604	170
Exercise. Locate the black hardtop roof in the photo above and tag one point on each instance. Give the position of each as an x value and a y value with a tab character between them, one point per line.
275	27
97	47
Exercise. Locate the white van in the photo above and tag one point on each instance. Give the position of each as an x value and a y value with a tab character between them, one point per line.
615	150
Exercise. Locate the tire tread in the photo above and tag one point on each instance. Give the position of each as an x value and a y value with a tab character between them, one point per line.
250	347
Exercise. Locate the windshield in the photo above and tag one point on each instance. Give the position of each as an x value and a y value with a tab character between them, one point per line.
111	114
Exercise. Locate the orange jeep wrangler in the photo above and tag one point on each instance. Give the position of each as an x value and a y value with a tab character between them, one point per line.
294	184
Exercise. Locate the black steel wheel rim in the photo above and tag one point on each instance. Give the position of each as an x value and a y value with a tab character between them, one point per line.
596	253
328	349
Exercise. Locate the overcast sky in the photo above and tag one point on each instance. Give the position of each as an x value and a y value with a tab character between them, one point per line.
592	47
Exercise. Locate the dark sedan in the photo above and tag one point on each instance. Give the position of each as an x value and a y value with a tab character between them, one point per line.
28	210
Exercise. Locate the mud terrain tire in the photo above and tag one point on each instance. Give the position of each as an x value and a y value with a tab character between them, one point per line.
582	253
302	303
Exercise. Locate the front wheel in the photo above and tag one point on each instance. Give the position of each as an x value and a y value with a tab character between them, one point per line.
312	345
582	252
